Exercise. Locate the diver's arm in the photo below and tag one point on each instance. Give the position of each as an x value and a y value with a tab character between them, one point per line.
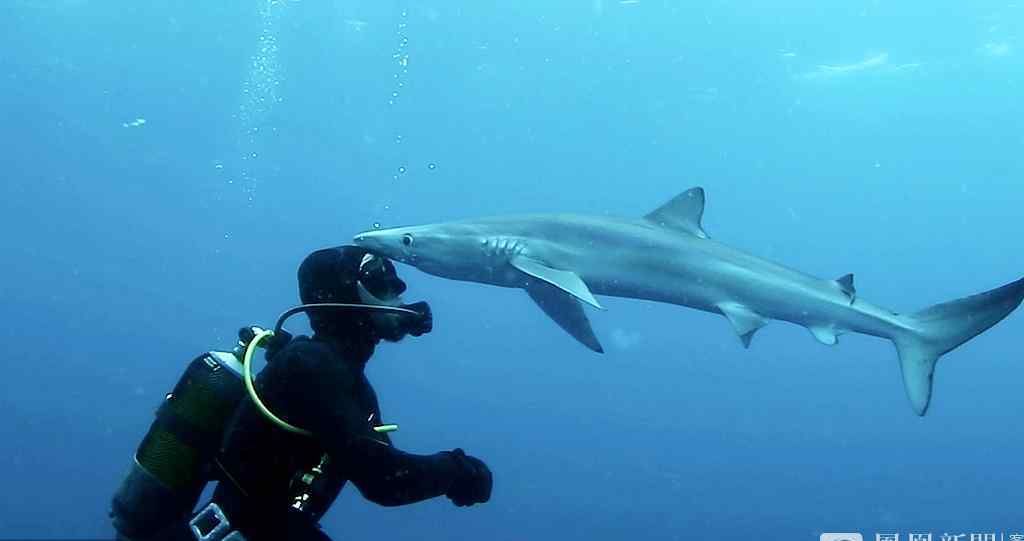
390	477
331	400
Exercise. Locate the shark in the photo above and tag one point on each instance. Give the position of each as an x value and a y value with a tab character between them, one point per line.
565	261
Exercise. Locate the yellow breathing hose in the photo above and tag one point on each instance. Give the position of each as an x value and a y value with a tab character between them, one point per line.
247	376
250	349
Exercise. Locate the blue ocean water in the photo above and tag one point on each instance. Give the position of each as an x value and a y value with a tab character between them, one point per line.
167	165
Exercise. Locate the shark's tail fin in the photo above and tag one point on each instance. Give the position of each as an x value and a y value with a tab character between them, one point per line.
935	331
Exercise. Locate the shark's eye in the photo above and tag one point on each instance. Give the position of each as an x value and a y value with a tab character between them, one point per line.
407	239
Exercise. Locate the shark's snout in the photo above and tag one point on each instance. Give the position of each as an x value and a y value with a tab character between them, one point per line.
378	241
368	239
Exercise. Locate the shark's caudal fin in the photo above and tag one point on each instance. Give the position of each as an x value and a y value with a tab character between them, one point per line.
942	328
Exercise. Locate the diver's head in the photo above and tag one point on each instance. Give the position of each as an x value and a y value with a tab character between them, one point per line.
350	274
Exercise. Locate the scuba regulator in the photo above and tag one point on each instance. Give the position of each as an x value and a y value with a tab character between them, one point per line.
177	456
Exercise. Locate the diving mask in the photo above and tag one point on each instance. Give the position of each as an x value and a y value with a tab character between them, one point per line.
379	284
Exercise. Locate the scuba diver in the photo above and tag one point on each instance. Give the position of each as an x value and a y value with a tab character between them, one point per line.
282	445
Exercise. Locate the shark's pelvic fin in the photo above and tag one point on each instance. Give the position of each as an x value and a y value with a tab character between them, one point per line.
845	284
744	321
825	335
566	311
683	213
567	281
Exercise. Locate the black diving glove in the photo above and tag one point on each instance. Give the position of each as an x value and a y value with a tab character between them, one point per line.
423	324
473	480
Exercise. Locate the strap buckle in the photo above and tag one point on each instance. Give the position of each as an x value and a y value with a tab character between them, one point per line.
211	524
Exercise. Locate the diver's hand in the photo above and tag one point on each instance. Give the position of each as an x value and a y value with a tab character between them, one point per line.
472	483
425	322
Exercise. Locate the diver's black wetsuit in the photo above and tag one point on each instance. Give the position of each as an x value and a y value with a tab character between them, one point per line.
274	484
318	384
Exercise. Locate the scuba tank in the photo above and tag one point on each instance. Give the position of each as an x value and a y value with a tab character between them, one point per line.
174	461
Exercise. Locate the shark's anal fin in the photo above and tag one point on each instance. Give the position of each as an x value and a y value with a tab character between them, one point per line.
566	311
567	281
683	213
825	335
744	321
845	284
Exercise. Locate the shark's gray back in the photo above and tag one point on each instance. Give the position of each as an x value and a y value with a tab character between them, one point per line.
636	258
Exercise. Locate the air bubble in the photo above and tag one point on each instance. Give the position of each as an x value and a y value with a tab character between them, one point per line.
431	166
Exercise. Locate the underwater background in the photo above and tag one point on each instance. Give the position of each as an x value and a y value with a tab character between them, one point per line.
166	166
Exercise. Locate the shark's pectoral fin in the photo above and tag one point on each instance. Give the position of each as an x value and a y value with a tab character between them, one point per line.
567	281
683	213
845	285
825	335
744	321
566	311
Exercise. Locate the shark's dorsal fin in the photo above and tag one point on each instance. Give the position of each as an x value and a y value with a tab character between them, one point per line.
567	281
683	213
845	284
566	311
744	321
